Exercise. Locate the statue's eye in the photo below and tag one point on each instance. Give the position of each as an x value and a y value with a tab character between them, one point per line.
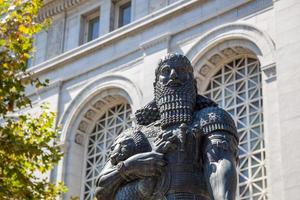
165	70
182	69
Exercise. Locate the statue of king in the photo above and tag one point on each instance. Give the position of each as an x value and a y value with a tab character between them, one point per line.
184	146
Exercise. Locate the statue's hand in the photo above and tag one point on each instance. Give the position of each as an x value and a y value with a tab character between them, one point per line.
145	165
165	142
146	187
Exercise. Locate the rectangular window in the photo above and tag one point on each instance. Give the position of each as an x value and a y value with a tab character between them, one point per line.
121	14
125	14
90	26
93	29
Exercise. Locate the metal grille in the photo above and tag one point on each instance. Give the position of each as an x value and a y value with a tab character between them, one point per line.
236	87
112	123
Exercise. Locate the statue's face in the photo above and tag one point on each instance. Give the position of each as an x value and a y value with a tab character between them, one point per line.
123	148
175	92
173	75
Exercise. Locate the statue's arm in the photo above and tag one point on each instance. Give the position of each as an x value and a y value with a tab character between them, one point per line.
108	182
148	164
118	172
220	165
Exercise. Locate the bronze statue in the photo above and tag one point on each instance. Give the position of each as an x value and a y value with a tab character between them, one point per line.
183	148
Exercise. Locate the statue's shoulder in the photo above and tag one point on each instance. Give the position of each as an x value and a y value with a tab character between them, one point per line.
212	118
213	115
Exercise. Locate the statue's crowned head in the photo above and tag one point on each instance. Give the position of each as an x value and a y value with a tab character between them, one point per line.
175	89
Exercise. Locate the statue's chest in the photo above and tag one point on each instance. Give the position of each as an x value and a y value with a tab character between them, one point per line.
187	151
188	142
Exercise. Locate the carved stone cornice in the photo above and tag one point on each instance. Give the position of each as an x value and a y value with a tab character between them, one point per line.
54	7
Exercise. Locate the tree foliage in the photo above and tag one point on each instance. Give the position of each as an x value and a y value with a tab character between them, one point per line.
27	153
27	143
17	26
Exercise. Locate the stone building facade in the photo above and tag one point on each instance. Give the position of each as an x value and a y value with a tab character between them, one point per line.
100	57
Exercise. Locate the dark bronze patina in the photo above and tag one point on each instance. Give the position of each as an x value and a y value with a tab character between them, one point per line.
184	147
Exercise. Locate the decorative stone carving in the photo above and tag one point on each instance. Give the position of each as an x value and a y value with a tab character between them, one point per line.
242	50
204	70
229	52
83	125
109	98
99	105
55	7
79	138
90	114
184	147
215	59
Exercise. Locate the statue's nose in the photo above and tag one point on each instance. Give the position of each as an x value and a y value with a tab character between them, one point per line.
173	74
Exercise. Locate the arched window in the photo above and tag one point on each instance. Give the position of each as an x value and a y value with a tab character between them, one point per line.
115	120
236	87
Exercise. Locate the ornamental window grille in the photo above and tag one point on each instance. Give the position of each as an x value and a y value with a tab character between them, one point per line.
112	123
236	87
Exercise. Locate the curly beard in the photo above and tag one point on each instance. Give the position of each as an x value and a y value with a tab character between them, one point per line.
176	104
